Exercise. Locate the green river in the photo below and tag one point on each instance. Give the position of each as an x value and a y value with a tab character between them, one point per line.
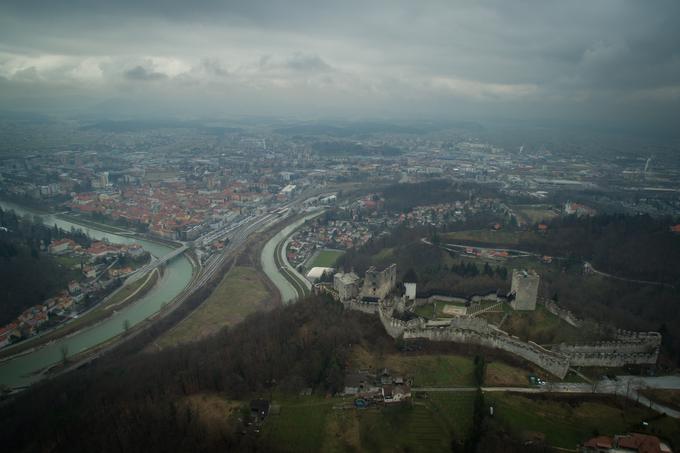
25	369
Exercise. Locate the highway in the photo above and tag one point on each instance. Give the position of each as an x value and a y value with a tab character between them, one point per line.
238	237
180	283
302	287
237	234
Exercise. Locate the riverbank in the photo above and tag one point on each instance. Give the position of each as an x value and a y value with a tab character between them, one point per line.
118	299
23	370
88	224
115	229
79	219
242	290
276	267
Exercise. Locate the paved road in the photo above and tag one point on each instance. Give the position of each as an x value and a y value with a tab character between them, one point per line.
627	386
625	279
201	278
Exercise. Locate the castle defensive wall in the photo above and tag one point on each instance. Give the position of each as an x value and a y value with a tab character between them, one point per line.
628	348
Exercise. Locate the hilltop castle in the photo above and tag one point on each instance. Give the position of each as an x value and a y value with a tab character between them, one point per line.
375	295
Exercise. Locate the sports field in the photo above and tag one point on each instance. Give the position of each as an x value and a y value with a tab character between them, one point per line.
326	258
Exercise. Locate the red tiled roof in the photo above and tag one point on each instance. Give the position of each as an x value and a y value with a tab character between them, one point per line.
640	442
599	442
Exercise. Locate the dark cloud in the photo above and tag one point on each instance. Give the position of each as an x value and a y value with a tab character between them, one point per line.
214	67
298	62
139	73
28	74
526	56
307	63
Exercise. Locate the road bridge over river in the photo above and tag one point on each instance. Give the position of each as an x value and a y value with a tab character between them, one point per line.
142	271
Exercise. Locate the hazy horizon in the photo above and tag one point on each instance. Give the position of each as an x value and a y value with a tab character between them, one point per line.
607	63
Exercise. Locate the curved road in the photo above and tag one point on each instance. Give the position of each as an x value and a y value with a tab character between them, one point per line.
290	283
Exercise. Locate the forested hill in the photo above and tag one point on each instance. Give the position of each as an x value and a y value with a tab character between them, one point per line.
139	403
29	276
639	247
403	197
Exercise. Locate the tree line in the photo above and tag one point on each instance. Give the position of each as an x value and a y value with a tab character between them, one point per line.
124	403
29	276
638	247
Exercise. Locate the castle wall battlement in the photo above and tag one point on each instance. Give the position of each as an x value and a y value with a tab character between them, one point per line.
458	300
631	347
628	348
474	331
562	313
364	307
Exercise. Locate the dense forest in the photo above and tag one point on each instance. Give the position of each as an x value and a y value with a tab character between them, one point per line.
639	247
625	305
29	276
436	271
137	403
636	247
403	197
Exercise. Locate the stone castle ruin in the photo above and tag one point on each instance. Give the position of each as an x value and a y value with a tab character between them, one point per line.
524	289
379	283
347	285
639	348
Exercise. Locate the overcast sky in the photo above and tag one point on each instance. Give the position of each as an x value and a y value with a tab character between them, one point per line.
597	59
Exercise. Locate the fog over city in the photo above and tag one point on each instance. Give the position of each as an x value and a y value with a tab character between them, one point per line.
340	226
599	63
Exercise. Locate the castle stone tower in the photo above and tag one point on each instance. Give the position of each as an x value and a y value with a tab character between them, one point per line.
525	287
378	283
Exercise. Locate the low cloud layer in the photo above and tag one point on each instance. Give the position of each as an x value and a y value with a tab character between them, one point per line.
527	59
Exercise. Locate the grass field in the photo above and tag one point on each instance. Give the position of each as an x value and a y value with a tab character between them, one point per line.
436	310
426	311
216	415
433	370
404	428
143	285
534	213
541	326
69	262
384	255
442	370
326	258
427	425
486	236
499	374
564	422
456	409
240	293
300	425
